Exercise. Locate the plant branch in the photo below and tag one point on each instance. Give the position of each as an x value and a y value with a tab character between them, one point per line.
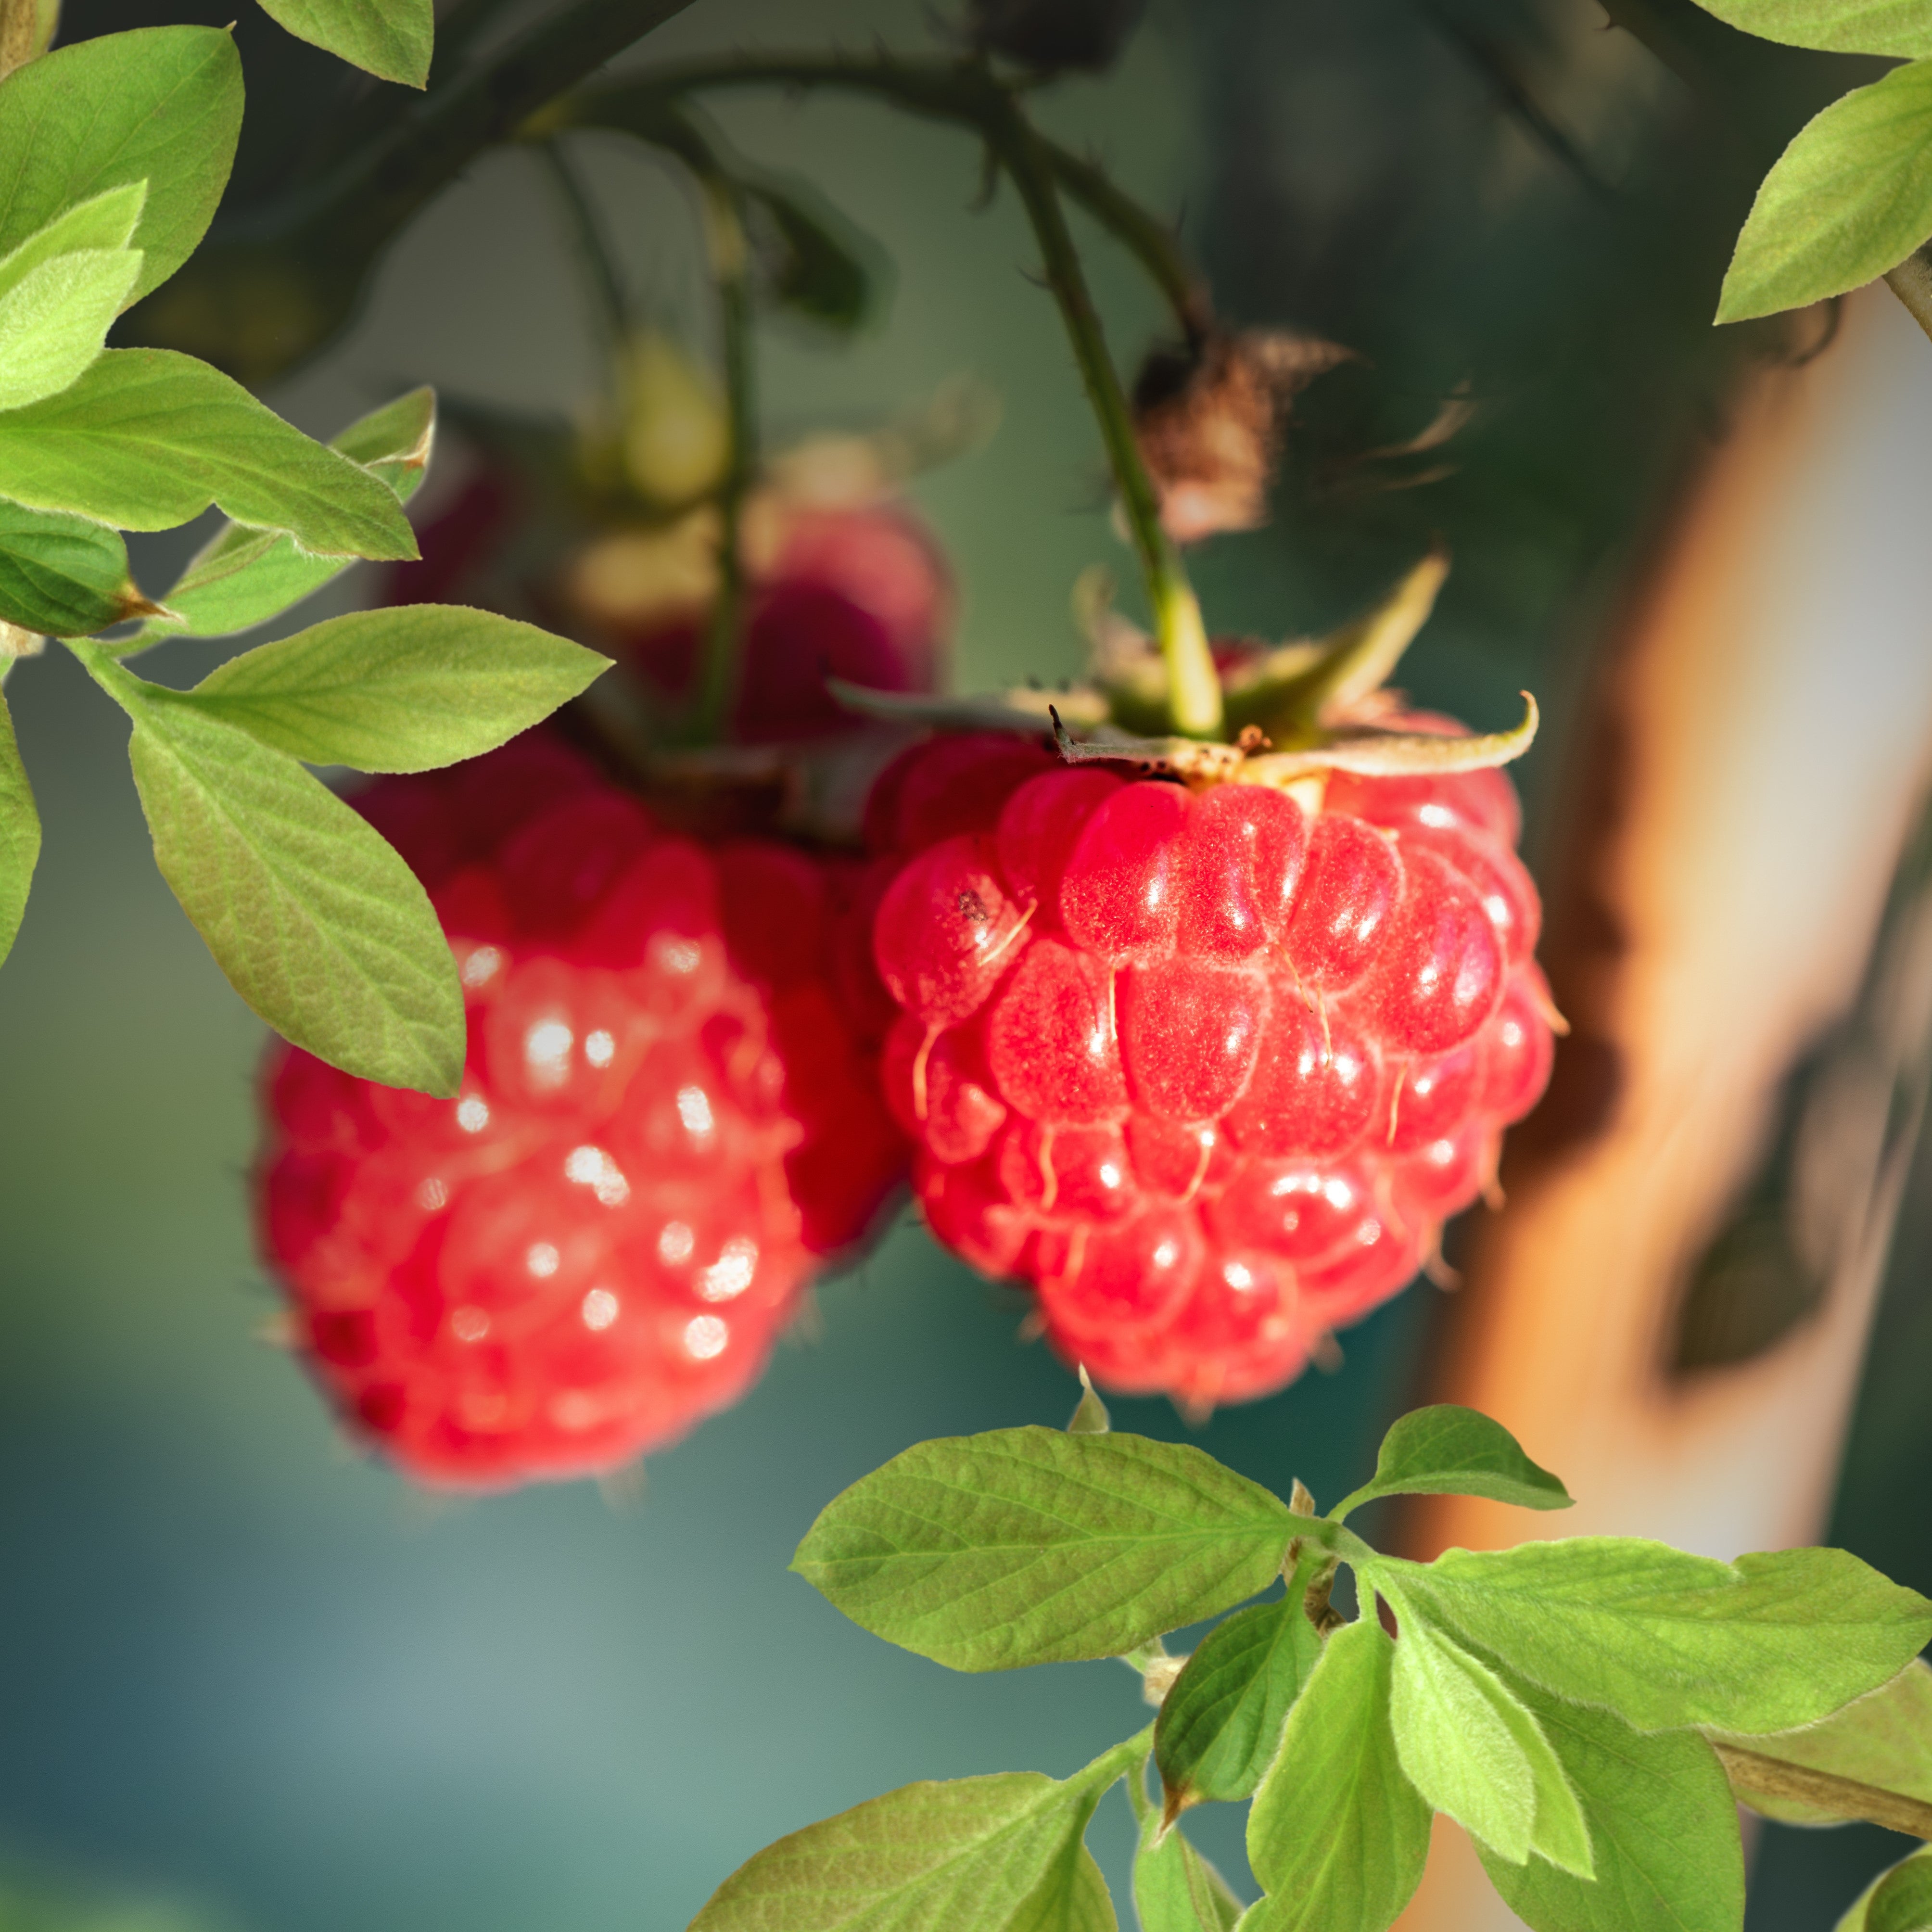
593	253
1911	281
1843	1797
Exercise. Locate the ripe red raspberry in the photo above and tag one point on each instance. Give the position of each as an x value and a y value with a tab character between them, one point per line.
668	1120
1208	1071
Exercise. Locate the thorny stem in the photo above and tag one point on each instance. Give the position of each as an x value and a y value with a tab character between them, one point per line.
1911	281
1843	1797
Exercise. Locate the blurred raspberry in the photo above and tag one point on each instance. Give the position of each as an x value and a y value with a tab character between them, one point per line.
1208	1072
669	1121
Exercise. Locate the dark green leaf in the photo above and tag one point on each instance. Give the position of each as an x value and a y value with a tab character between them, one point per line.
1447	1450
1901	1901
1338	1834
148	438
1175	1888
242	577
1848	200
1030	1546
1474	1749
1667	1639
1883	1739
318	924
1663	1827
1900	27
403	690
999	1854
392	39
1221	1722
821	267
161	105
19	832
63	576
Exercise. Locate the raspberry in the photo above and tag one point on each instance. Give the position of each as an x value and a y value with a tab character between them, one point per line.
1206	1070
668	1122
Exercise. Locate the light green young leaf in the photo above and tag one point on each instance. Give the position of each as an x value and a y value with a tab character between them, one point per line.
148	438
391	39
1666	1640
1472	1748
999	1854
1175	1888
1663	1827
318	924
108	221
54	322
1221	1721
1847	201
63	576
403	690
1899	1899
1883	1739
1448	1450
19	832
161	105
1338	1834
1031	1545
241	576
1899	27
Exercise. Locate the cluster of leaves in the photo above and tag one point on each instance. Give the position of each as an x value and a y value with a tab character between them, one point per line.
1576	1705
113	154
1851	197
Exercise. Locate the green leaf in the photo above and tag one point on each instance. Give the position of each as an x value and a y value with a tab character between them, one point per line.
822	268
1883	1739
108	221
241	576
1662	1824
1030	1546
403	690
63	576
1175	1888
161	105
392	39
1664	1638
1338	1834
1220	1722
1447	1450
19	832
54	323
999	1854
1847	201
1473	1749
318	924
1900	27
1899	1899
148	438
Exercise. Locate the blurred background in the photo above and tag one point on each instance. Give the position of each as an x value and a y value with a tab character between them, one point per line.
258	1678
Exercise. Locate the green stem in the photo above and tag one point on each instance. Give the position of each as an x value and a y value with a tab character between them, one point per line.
593	251
1911	281
1111	1762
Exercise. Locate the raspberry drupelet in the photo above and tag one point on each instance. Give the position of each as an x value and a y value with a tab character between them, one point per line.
1208	1069
669	1120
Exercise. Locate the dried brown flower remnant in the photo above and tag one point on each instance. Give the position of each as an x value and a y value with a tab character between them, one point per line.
1209	420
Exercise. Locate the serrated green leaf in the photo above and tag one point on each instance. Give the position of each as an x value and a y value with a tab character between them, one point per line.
19	832
392	39
107	221
1883	1739
316	921
1899	1899
161	104
1663	1827
402	690
1665	1639
1221	1721
241	576
63	576
1847	201
1899	27
1473	1749
1448	1450
999	1854
1338	1834
1175	1888
1030	1546
54	323
148	438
